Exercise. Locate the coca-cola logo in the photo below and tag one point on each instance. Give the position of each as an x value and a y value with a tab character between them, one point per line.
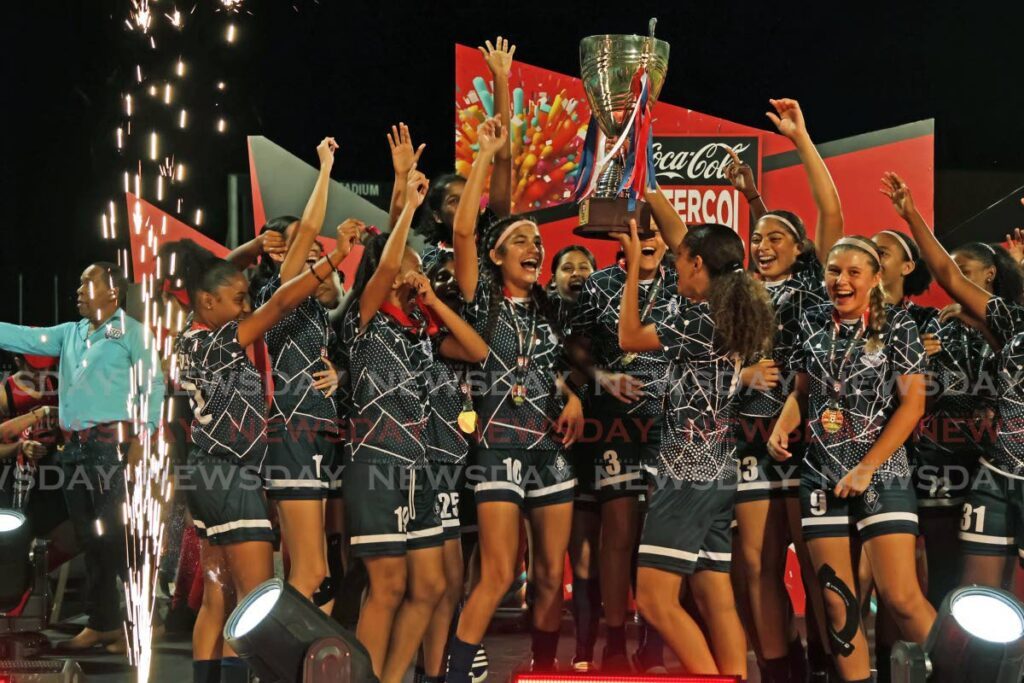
686	160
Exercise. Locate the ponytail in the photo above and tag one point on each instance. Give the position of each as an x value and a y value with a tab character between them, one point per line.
740	307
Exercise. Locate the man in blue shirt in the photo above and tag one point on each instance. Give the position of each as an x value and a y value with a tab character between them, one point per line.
110	388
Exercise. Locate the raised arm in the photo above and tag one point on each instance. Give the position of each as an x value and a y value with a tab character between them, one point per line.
267	242
742	178
464	343
296	290
499	61
789	120
403	158
634	336
39	341
491	136
670	223
973	298
312	216
379	285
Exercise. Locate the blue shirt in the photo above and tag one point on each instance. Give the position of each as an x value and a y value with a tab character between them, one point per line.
100	372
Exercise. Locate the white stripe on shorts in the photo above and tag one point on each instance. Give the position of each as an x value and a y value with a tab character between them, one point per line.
449	522
617	479
296	484
498	486
987	540
754	486
715	557
887	517
423	533
667	552
554	488
940	502
238	524
378	538
823	521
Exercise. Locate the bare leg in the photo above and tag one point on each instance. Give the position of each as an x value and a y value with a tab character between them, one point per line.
436	639
499	541
383	597
658	599
835	552
425	587
712	592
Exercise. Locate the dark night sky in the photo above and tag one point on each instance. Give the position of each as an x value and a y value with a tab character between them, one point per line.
351	68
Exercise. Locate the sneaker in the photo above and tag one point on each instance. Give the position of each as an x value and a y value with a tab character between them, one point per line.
478	672
583	666
553	669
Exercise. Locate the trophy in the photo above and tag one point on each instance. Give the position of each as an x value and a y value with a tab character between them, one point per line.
622	76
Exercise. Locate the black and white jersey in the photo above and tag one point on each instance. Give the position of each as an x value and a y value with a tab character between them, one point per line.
390	392
504	424
868	393
790	298
597	318
697	439
925	317
225	391
297	344
963	381
1006	321
447	443
563	309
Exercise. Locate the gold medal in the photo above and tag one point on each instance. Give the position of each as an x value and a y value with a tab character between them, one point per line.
518	394
467	421
628	358
832	420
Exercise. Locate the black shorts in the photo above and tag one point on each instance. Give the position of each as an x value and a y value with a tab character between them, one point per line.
529	478
450	483
888	507
390	509
992	521
297	465
225	498
760	475
688	527
582	457
942	480
627	444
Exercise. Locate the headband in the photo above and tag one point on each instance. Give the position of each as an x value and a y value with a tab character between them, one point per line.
508	231
867	246
785	221
989	247
903	242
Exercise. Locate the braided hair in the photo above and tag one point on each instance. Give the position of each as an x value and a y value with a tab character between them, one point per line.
877	315
491	273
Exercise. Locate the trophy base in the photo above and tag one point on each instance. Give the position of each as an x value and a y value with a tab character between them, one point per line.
602	218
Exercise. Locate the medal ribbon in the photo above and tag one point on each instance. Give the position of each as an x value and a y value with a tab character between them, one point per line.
836	382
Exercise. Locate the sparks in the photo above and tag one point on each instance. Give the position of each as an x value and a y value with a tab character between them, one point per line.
231	33
199	217
139	16
181	178
179	69
175	18
120	138
167	93
222	125
128	105
153	147
182	119
231	5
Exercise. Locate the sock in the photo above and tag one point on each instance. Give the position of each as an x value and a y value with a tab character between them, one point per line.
797	661
206	671
883	663
233	670
775	670
585	614
460	660
334	563
545	646
817	658
614	640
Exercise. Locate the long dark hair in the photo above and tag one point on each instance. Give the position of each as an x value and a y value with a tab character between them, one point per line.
920	278
267	267
876	300
373	249
1009	280
568	249
186	264
743	314
433	230
808	255
492	276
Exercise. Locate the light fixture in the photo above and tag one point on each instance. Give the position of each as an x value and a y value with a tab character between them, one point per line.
978	635
15	564
285	638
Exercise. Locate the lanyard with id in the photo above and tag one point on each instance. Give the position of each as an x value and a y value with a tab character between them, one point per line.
832	416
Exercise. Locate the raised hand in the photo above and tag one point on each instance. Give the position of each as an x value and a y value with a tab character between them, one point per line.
416	186
630	243
739	174
350	233
788	118
491	136
403	156
498	56
325	151
898	193
1015	244
421	283
273	243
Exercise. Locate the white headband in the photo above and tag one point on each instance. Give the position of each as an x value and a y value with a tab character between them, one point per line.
508	231
784	221
866	246
903	242
989	247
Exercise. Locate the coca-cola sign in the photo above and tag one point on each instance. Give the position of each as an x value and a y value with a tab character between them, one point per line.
701	160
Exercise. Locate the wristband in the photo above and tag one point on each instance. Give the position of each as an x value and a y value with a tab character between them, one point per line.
312	269
750	199
328	257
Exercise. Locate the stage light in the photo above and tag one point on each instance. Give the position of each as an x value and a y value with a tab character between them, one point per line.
15	566
285	638
625	678
978	635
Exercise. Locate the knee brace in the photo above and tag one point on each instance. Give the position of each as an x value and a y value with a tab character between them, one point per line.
325	593
842	639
